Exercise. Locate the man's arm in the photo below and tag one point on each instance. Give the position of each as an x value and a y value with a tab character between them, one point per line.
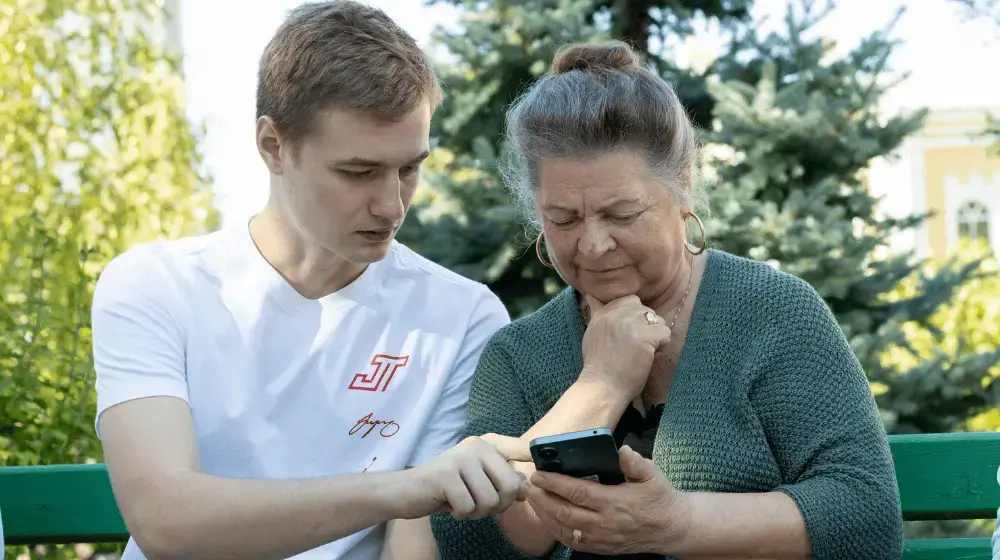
414	539
172	510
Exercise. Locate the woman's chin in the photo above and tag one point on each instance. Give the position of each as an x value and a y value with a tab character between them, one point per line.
605	293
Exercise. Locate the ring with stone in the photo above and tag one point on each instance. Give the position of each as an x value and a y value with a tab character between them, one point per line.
577	536
651	318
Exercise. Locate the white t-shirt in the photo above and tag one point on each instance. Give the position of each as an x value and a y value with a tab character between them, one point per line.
374	377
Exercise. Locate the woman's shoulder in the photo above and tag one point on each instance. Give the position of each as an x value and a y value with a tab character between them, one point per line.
754	285
553	321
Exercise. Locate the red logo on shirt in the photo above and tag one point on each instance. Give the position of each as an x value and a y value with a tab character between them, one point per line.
385	367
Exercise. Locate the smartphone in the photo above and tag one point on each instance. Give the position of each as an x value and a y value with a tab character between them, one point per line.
590	454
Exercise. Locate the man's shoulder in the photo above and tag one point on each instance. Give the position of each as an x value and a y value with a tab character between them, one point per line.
406	265
176	251
154	269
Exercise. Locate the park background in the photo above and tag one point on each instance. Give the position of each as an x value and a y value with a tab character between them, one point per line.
851	143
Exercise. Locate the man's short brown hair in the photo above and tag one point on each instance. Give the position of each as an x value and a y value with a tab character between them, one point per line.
341	53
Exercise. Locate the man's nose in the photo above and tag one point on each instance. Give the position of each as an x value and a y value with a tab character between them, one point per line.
389	204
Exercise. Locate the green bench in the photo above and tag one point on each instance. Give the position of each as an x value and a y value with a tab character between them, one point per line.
941	476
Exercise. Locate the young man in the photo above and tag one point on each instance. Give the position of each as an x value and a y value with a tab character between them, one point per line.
264	390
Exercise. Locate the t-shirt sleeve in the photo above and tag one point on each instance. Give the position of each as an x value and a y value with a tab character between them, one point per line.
818	413
444	429
496	405
138	341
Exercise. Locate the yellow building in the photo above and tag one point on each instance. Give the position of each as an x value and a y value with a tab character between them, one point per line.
951	169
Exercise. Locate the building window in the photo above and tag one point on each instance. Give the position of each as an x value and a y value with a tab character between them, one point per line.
974	221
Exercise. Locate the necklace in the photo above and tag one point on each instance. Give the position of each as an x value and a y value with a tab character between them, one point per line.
683	299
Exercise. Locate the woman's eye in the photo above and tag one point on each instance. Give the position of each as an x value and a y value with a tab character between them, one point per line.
624	219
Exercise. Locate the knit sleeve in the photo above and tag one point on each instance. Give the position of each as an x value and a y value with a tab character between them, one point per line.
496	405
818	413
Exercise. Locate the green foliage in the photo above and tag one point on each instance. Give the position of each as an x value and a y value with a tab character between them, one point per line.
966	324
502	47
96	155
789	129
789	187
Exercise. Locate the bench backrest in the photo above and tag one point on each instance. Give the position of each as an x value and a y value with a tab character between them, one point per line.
948	476
940	476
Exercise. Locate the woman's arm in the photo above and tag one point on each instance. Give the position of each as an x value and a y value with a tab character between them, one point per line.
586	404
754	525
819	416
409	539
497	405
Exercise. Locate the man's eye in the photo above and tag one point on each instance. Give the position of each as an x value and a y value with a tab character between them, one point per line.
357	174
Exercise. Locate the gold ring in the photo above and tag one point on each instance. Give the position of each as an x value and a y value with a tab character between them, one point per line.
577	536
651	318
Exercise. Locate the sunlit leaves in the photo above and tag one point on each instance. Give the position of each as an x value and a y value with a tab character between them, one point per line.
96	154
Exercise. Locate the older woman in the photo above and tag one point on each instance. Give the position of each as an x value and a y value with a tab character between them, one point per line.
747	426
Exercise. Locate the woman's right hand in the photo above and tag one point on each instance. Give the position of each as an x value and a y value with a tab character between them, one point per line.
619	345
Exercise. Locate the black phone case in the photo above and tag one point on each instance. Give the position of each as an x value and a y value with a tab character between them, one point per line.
591	457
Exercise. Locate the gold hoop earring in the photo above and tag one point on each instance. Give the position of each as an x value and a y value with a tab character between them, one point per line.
538	251
701	226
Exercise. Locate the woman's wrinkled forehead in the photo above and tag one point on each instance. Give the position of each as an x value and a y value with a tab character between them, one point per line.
598	182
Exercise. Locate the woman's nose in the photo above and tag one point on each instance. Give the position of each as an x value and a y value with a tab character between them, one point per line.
596	240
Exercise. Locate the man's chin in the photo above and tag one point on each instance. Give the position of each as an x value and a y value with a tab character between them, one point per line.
368	253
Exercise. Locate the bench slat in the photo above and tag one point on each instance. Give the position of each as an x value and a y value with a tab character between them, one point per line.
948	476
940	476
947	549
59	504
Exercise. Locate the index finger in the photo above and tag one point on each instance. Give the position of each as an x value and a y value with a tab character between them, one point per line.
512	448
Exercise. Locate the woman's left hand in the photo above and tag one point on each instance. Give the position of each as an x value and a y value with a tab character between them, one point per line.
642	515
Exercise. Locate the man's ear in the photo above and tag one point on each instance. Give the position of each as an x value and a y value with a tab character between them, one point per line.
269	144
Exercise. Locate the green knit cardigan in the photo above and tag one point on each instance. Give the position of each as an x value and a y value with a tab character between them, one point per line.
767	396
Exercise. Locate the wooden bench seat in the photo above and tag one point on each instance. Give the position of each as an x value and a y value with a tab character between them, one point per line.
940	476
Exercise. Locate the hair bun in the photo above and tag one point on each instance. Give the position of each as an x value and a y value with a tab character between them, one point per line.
611	55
